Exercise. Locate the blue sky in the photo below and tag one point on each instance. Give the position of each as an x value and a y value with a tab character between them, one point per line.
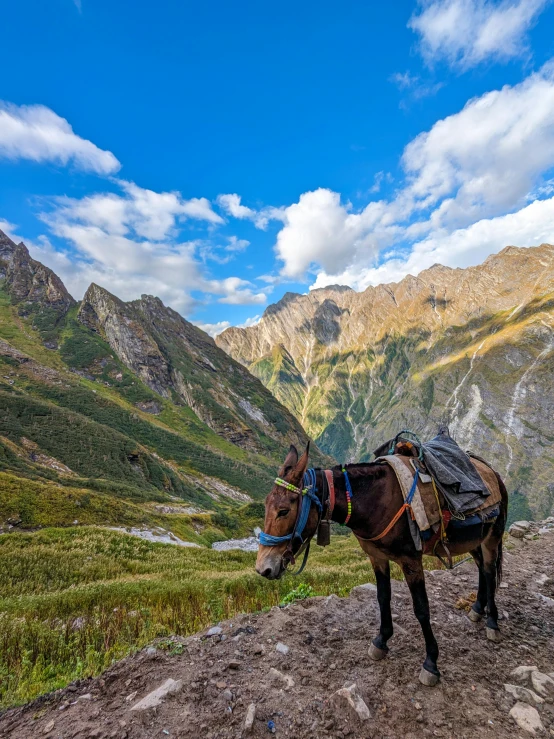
220	155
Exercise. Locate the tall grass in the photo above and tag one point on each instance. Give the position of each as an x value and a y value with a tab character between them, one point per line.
74	600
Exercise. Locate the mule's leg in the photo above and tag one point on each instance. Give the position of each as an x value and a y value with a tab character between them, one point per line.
490	548
477	611
378	648
413	572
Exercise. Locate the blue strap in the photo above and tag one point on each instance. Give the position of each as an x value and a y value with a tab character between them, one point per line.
413	488
347	482
308	497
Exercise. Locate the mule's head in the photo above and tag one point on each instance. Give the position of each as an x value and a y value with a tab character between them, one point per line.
281	512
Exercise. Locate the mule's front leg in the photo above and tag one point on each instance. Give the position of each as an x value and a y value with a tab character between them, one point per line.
413	572
378	648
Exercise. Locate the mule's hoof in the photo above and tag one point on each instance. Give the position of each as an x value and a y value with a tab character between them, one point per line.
428	678
474	616
376	654
493	635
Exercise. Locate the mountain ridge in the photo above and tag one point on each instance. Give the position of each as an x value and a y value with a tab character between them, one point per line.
162	412
448	345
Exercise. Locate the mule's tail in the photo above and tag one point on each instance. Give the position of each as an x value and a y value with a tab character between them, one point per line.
500	525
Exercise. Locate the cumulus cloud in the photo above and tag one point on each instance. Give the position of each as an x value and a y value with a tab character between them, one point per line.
465	33
531	225
35	132
232	205
213	329
129	243
475	165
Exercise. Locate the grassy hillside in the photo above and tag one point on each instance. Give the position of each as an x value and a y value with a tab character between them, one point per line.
74	600
83	438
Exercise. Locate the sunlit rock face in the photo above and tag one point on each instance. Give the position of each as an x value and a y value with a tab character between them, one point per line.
473	348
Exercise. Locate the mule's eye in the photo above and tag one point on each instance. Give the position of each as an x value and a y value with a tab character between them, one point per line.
283	512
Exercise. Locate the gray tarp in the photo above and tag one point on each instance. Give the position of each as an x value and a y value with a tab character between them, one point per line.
453	471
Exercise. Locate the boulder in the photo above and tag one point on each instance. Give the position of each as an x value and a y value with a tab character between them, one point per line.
249	720
543	684
351	696
156	697
527	718
281	677
523	673
523	694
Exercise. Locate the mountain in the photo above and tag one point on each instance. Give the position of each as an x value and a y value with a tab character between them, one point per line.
472	347
113	411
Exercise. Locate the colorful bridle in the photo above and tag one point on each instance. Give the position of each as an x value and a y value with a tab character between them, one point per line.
308	496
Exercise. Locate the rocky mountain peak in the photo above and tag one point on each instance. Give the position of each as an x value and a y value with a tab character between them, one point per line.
472	347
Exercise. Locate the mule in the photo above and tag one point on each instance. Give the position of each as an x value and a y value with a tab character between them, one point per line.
375	500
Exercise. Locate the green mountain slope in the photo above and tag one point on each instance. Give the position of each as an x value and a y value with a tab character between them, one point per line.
111	409
473	348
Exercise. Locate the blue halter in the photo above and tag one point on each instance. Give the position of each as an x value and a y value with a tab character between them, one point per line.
308	495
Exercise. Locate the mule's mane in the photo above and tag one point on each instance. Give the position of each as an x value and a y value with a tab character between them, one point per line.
361	469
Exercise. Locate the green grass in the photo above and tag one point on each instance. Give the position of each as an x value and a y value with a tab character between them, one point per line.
72	601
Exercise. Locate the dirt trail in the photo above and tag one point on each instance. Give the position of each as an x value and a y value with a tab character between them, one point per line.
218	677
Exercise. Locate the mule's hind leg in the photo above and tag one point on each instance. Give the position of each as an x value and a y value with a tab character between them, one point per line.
378	648
413	572
491	555
477	611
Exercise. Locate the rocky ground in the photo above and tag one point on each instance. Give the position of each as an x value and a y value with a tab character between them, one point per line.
290	671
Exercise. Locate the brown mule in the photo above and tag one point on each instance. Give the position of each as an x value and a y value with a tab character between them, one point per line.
376	500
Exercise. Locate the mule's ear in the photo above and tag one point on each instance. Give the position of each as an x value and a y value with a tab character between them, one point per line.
290	461
302	465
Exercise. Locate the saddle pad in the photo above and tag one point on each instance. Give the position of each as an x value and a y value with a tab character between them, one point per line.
424	505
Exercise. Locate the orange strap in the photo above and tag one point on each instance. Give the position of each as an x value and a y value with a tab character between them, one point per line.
405	507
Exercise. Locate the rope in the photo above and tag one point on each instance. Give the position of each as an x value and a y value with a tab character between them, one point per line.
405	507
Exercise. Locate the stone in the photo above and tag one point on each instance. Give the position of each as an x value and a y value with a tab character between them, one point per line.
354	700
233	664
214	631
156	697
131	697
258	649
523	673
543	684
363	591
527	718
85	697
227	695
516	532
48	728
282	648
250	717
522	524
277	675
523	694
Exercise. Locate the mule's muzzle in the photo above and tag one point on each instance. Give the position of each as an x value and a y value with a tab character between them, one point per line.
271	568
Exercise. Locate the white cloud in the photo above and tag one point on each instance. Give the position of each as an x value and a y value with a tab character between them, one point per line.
231	204
129	243
252	321
529	226
478	164
465	33
236	245
213	329
236	291
37	133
